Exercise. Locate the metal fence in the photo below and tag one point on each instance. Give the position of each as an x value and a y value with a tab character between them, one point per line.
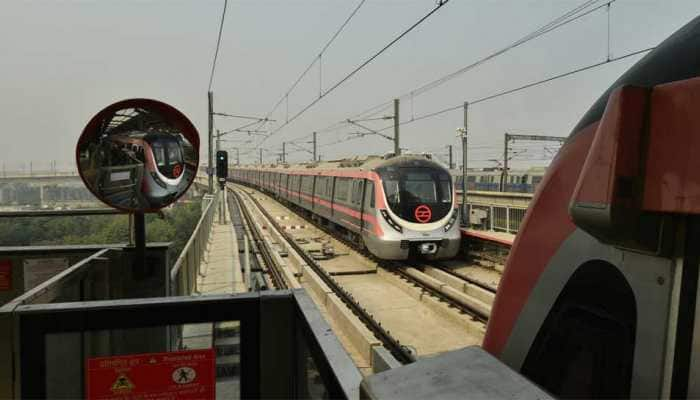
183	275
496	218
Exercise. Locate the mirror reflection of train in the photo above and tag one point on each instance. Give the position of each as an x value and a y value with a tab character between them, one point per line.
138	155
162	158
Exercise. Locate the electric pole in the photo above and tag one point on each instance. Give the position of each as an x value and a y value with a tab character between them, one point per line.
449	147
238	156
462	132
210	170
261	156
284	152
315	149
397	147
218	140
504	174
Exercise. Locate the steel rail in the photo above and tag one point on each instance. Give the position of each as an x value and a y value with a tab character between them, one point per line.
277	277
400	352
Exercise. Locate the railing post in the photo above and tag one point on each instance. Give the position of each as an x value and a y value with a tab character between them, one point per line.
492	217
507	219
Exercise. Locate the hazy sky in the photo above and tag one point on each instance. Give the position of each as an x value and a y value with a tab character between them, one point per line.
61	62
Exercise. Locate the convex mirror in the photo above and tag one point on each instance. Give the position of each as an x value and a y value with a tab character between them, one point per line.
138	155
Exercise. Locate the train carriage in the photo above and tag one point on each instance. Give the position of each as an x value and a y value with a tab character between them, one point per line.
394	206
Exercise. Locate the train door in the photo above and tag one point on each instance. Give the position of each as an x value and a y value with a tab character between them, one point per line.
333	185
367	193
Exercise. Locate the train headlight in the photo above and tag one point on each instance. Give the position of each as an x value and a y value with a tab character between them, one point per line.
452	220
390	221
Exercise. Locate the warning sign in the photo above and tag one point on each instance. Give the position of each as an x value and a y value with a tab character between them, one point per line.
189	374
5	275
38	270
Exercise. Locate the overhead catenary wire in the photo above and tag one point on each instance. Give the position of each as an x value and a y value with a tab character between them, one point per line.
558	22
357	69
218	43
316	59
568	17
523	87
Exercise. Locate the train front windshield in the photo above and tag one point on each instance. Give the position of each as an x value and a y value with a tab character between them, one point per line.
409	188
168	156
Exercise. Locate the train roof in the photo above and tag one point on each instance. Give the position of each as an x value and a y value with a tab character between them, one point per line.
362	163
497	171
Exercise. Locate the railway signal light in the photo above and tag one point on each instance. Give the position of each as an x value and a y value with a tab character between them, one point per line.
222	165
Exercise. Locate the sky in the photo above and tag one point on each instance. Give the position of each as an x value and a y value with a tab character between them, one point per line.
63	61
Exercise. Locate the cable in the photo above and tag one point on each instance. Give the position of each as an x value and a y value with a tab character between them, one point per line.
523	87
357	69
218	43
562	20
317	58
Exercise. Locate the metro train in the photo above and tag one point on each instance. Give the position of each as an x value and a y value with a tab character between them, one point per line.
489	179
394	206
161	155
599	297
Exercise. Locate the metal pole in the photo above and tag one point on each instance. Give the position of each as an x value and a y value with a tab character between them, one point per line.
246	260
504	175
465	217
260	156
449	147
210	170
397	147
284	152
238	156
140	239
315	159
218	141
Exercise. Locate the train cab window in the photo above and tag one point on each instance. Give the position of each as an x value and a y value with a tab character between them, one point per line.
585	347
408	188
167	154
159	154
420	186
445	189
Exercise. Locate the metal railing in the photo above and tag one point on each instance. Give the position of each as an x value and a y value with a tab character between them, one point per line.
496	218
183	274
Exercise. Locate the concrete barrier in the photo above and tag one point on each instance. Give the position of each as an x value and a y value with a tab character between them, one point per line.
361	338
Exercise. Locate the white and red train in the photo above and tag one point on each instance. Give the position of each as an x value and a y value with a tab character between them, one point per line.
599	298
395	206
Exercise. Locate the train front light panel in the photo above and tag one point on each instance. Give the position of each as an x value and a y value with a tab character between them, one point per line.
391	221
452	220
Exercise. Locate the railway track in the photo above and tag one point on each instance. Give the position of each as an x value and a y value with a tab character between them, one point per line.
445	293
400	352
262	249
444	303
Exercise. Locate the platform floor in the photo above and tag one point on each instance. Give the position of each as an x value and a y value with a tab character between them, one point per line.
221	270
498	237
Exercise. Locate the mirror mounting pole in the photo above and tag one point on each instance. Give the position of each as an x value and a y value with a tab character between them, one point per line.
140	239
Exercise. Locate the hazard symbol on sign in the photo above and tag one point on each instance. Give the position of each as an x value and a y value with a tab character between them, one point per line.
187	374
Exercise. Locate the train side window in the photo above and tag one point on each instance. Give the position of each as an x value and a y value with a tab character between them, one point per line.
341	189
585	347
